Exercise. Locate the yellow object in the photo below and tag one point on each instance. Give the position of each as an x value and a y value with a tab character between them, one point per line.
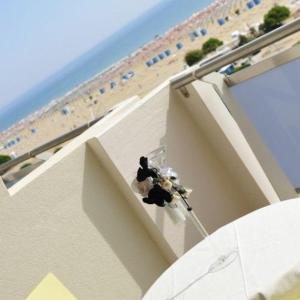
50	288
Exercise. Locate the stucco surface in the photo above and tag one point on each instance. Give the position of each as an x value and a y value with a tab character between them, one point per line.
219	196
77	216
73	221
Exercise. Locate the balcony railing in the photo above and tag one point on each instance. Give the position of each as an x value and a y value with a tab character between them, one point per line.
241	52
49	145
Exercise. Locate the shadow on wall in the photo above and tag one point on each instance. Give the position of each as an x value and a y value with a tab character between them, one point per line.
216	198
132	247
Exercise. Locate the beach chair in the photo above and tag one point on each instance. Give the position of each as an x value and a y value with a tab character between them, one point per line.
130	74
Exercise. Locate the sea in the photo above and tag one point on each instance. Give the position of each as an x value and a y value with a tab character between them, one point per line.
140	31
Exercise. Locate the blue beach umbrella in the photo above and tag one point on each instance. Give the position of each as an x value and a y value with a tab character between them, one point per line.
221	21
155	60
250	4
168	52
203	31
161	55
149	63
179	46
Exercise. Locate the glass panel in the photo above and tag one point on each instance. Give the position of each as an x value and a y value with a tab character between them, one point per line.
272	102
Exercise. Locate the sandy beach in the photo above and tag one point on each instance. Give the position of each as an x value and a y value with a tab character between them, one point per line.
132	76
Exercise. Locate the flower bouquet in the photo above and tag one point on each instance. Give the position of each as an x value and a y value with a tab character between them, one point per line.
160	186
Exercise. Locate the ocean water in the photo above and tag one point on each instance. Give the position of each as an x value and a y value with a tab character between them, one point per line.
130	38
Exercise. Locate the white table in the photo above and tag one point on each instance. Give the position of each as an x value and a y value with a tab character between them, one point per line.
268	245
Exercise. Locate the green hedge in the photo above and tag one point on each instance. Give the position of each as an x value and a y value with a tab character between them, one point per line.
211	45
193	57
4	158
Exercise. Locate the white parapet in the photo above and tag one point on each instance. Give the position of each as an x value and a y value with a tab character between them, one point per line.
78	217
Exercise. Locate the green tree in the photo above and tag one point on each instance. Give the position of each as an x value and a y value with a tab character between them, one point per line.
194	56
211	45
274	18
4	158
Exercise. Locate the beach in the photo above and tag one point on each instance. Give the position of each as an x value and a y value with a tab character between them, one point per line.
133	76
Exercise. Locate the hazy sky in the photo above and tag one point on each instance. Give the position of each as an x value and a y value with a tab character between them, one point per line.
38	37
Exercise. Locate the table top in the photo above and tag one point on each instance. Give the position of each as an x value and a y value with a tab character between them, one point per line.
267	245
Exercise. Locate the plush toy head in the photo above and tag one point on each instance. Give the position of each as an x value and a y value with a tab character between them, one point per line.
144	162
144	172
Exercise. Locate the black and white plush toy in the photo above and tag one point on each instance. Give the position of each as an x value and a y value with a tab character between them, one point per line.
157	195
144	172
158	186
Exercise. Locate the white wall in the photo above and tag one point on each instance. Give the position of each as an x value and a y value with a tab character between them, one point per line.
77	216
72	220
220	195
228	141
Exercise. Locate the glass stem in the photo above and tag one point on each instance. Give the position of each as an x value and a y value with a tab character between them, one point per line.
204	233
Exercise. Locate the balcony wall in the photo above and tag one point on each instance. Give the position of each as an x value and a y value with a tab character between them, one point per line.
224	188
69	217
77	216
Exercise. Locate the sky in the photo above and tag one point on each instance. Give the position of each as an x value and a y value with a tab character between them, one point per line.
40	37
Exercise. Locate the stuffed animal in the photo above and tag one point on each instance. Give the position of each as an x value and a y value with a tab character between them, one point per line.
143	187
144	172
159	186
157	195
